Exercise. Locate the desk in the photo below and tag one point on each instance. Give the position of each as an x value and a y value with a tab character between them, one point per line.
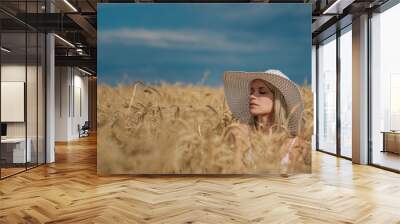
15	148
391	141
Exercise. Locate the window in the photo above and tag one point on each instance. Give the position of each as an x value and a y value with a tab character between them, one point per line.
327	95
385	88
346	92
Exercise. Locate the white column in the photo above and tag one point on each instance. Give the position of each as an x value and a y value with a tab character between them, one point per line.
360	90
62	103
314	90
50	93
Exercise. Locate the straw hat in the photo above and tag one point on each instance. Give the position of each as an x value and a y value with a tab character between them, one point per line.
237	92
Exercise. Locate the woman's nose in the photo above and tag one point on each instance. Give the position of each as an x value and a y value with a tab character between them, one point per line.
252	96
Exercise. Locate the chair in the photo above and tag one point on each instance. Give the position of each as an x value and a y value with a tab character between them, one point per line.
84	130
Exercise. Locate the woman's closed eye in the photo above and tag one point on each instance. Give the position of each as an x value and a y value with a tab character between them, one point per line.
262	91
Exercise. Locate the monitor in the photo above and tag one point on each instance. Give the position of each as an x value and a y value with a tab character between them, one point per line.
3	129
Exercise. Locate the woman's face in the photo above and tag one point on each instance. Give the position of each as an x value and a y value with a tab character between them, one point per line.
261	100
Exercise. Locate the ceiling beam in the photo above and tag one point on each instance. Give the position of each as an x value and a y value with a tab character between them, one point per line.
81	61
337	6
85	25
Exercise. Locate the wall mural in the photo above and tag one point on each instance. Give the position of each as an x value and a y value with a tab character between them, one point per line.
204	89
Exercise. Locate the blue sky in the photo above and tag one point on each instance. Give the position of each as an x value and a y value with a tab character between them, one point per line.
182	42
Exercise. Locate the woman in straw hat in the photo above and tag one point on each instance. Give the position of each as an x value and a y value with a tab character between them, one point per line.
268	101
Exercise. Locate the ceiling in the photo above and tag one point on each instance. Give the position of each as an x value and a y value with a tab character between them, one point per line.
76	21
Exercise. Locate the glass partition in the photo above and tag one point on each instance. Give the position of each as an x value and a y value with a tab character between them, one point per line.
23	91
14	154
32	95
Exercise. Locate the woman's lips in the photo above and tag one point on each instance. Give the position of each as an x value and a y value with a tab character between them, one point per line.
253	104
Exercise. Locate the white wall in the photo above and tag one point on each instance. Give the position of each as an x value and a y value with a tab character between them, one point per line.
33	127
12	101
70	83
61	103
80	89
15	72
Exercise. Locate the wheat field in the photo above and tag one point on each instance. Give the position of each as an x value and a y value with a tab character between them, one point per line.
183	129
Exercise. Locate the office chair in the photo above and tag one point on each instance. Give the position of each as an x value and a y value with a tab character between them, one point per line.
84	130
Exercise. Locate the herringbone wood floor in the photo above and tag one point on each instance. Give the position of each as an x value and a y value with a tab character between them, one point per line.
69	191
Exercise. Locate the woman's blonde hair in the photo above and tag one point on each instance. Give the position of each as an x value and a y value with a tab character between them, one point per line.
280	113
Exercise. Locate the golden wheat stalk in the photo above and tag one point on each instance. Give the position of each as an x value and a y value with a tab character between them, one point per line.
183	129
134	93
